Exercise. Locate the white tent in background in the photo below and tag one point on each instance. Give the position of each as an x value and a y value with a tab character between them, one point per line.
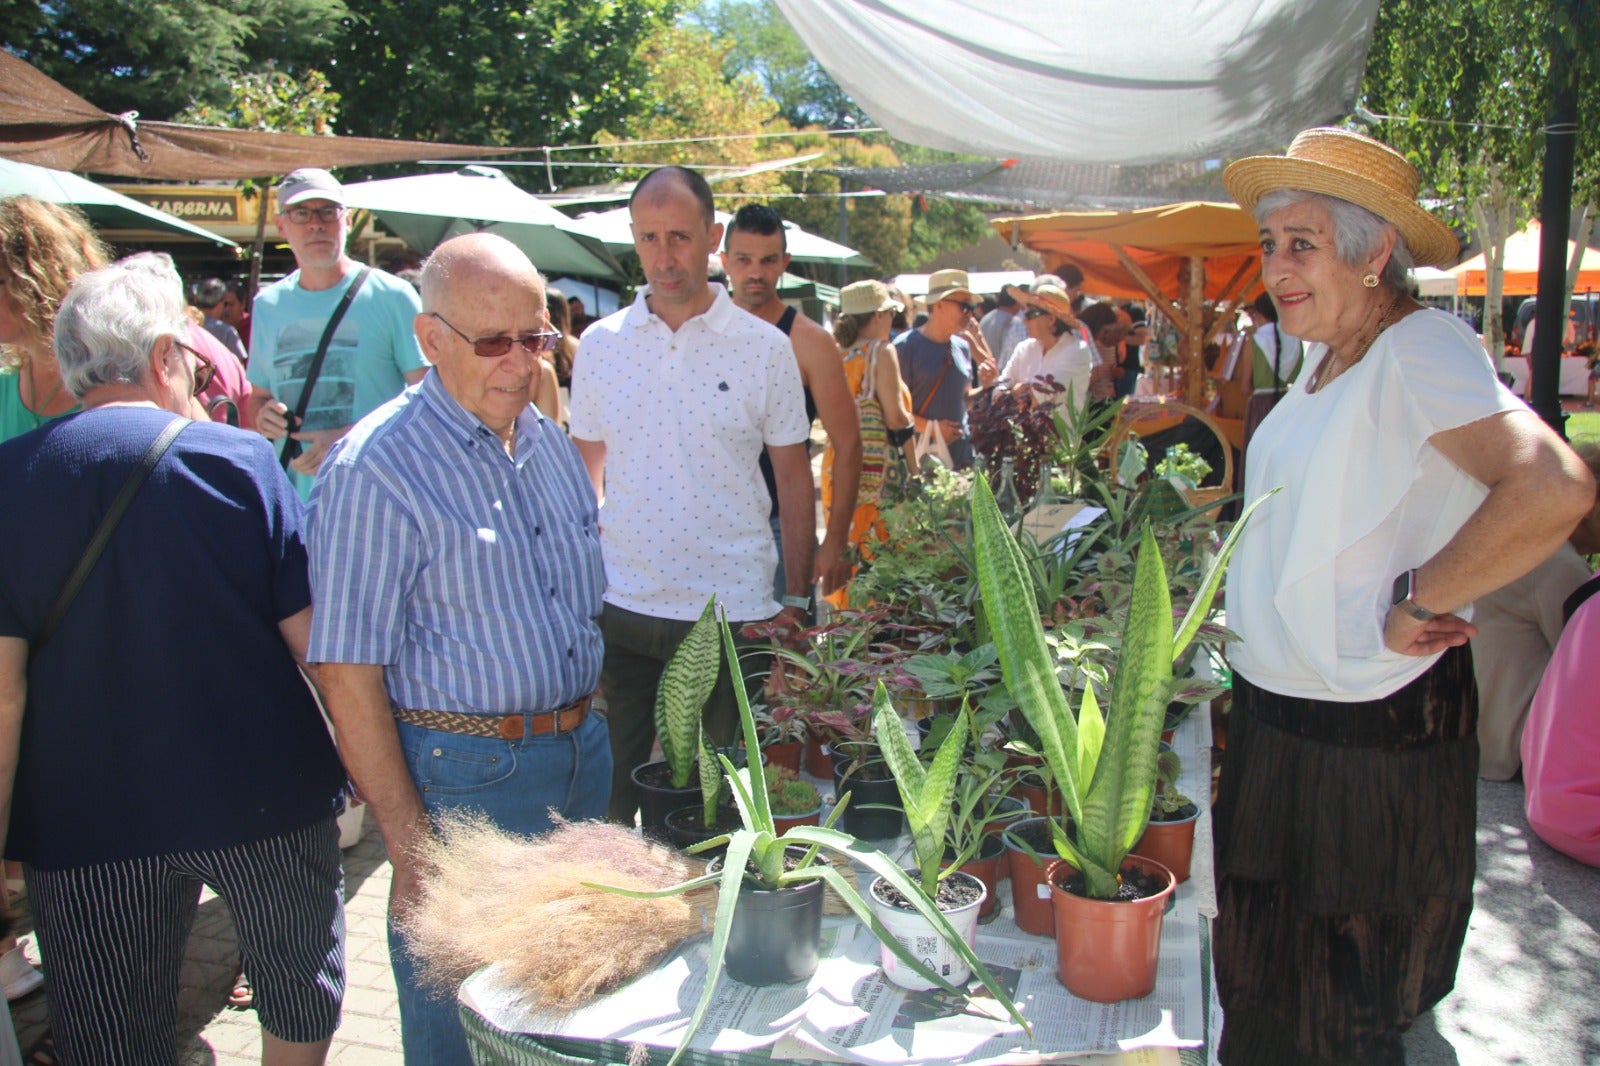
612	228
1433	282
1093	81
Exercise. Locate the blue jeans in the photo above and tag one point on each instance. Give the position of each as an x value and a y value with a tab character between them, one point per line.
517	784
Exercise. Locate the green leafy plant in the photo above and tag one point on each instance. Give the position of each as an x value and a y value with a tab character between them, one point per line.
755	854
1104	764
789	793
686	684
926	792
1185	465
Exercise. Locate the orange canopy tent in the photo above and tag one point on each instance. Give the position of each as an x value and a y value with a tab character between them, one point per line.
1522	267
1178	256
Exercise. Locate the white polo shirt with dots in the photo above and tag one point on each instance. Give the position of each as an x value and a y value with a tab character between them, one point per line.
684	417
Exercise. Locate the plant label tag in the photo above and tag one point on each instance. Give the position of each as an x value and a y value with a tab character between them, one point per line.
1048	520
1042	889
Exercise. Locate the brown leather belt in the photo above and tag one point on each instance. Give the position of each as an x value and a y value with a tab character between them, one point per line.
508	727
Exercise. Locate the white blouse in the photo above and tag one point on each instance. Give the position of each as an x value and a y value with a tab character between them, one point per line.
1068	361
1364	498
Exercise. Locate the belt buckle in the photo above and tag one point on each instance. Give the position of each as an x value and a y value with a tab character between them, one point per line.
510	727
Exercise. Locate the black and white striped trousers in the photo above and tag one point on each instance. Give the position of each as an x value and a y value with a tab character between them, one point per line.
113	938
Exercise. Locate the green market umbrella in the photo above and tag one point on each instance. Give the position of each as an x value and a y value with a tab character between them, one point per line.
106	209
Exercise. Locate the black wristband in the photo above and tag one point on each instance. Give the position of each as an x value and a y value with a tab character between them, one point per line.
897	437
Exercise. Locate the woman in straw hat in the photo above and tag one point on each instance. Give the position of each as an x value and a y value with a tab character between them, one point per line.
1053	350
866	314
1412	483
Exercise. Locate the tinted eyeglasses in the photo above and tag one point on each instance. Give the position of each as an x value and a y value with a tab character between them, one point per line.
1034	312
966	308
301	215
496	346
204	369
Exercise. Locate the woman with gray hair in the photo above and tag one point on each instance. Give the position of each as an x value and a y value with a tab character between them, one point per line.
129	782
1412	483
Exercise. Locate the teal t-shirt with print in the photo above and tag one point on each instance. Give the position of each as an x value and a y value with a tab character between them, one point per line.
371	351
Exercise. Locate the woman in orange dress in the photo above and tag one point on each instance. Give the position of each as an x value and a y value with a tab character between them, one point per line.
866	311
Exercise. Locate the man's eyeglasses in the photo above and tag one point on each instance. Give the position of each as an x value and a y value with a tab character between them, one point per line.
966	308
204	369
301	215
496	346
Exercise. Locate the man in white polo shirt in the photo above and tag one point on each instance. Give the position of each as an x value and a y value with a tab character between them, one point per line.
673	400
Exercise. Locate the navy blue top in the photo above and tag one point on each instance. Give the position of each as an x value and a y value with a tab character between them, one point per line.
938	376
165	714
785	324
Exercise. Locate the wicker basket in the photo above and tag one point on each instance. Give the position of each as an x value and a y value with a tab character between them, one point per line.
1128	423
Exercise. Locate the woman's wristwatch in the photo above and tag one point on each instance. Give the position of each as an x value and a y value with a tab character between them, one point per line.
1405	587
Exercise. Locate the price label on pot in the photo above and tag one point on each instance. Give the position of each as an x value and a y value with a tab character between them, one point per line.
1042	890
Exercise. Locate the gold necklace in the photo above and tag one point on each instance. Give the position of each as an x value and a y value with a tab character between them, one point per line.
1320	379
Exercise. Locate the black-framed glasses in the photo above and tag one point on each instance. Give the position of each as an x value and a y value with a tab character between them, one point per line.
300	214
534	343
966	308
1035	312
204	369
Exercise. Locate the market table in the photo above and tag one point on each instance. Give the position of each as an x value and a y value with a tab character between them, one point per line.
503	1030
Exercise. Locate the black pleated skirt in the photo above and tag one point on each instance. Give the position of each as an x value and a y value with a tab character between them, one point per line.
1346	849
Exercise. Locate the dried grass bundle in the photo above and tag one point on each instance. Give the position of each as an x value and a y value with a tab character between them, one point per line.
494	896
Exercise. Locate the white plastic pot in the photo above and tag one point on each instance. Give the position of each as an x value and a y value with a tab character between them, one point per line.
918	936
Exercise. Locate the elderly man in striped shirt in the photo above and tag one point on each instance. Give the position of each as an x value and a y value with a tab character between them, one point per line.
455	562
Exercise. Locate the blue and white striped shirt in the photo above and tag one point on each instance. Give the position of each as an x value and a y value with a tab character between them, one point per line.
473	577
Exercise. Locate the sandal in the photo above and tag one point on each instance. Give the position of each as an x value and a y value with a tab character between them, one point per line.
241	996
43	1051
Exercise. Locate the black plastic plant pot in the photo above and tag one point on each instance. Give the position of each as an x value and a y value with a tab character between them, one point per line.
776	934
686	827
874	812
657	797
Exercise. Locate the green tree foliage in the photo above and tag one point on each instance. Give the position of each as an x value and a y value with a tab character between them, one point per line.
766	47
272	100
158	57
1469	86
494	72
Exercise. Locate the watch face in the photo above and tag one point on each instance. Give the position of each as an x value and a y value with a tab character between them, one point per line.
1402	588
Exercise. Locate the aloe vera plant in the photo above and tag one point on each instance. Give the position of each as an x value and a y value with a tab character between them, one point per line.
1104	764
755	854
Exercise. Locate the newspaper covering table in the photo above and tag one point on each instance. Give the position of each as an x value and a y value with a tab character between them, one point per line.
848	1011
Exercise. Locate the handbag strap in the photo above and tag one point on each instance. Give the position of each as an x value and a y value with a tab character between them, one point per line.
922	412
102	534
315	370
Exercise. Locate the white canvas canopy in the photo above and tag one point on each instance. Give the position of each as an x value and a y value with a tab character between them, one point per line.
1093	81
614	229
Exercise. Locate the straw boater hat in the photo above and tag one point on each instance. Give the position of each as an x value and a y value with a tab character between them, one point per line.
943	284
866	298
1052	299
1354	168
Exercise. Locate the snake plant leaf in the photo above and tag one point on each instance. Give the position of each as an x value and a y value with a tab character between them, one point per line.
686	684
1025	661
1091	733
1201	605
926	794
1116	807
710	778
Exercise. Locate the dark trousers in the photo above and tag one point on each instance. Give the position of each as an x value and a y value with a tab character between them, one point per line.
637	649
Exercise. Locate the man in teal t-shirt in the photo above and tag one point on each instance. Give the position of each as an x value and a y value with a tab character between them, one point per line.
373	353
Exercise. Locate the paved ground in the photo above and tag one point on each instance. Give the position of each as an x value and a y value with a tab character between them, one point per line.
1526	991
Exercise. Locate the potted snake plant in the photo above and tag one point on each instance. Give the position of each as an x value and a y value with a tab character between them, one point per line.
1103	764
762	932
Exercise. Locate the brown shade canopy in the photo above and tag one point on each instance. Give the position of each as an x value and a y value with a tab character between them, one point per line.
44	123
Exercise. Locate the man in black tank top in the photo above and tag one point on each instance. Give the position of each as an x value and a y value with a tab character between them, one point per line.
755	256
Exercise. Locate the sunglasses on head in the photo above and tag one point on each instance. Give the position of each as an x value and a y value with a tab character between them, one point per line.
204	369
498	345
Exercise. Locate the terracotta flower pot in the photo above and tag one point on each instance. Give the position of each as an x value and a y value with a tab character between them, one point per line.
1107	950
1042	801
1030	895
786	822
818	759
988	867
787	754
1171	843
